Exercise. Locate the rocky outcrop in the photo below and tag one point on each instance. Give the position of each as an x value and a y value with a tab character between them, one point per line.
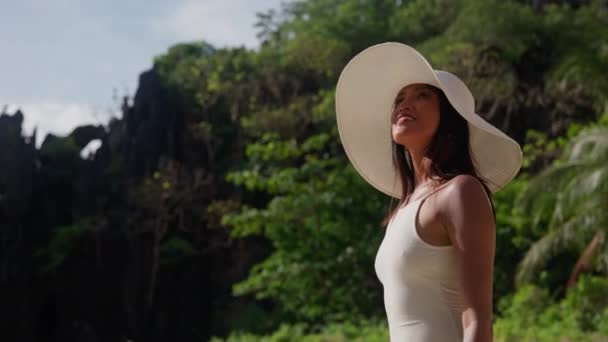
83	240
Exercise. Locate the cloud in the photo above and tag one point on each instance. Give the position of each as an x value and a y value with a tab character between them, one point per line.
222	23
58	118
90	149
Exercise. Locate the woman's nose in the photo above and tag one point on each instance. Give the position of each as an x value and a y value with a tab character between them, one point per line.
404	105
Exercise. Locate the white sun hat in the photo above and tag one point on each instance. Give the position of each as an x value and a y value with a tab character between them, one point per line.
365	94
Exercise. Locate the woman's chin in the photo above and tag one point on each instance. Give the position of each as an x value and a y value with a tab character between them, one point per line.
407	136
403	132
404	126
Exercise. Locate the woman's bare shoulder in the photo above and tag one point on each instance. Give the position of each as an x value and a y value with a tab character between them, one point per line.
464	193
465	184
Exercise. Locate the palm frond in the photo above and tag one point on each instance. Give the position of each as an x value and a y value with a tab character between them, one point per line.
581	170
535	258
538	199
601	260
591	182
573	233
589	145
576	232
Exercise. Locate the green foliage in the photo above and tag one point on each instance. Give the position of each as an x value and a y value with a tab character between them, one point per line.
174	250
569	199
61	244
511	33
475	29
321	223
527	66
582	47
319	35
512	237
538	148
153	191
180	68
368	330
526	63
419	20
531	314
286	121
60	149
587	302
324	109
254	319
61	156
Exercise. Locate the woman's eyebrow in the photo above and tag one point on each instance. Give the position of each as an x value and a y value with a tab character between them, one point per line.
401	93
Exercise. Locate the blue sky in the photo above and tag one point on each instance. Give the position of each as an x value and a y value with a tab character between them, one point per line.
63	59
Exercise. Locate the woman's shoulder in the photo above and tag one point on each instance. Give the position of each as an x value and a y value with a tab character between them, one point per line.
465	206
466	181
466	189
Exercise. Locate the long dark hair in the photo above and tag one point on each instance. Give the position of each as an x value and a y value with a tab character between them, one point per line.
449	151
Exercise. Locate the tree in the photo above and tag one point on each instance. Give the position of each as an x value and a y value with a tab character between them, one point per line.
571	196
321	224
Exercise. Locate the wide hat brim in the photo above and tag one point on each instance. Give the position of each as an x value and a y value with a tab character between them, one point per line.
365	93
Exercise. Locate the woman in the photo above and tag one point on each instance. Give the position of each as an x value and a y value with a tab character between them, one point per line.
412	133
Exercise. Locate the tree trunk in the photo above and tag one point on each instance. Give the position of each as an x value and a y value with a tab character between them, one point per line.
584	261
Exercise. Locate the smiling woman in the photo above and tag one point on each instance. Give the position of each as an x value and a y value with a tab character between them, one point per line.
416	105
442	161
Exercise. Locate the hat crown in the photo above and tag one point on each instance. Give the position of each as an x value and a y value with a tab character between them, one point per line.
457	92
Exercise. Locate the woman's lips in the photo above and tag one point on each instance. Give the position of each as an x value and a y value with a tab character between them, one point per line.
404	118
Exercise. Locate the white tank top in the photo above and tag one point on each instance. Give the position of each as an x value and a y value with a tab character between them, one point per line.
421	289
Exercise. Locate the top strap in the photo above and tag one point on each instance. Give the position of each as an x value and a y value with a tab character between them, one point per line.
432	192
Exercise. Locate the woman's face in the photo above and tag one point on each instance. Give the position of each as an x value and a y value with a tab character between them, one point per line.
415	115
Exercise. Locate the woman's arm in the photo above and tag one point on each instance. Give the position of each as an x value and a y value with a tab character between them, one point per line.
467	215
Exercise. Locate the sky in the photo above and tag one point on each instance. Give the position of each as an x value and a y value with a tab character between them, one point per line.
63	61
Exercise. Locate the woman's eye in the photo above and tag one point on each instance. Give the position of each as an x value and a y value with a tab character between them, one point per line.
421	94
